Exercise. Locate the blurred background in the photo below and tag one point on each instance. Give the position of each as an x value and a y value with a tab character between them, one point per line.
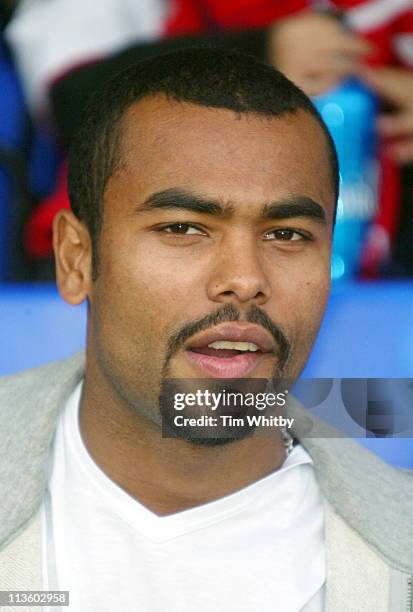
353	57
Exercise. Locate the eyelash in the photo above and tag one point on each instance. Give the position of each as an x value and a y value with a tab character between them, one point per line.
187	225
301	234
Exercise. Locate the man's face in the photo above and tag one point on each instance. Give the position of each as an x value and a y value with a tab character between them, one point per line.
214	250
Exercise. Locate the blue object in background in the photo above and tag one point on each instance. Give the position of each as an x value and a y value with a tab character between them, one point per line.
367	332
12	129
349	111
37	326
12	109
29	162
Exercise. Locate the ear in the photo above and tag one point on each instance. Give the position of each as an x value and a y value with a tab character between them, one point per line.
73	254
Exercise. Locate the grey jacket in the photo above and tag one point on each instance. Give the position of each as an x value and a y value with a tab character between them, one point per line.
368	504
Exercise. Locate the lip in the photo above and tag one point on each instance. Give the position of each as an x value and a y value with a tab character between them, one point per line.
233	367
238	366
234	332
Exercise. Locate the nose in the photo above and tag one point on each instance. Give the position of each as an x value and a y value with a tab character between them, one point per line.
238	274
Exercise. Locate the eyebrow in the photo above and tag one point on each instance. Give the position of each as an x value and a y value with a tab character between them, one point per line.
295	206
178	198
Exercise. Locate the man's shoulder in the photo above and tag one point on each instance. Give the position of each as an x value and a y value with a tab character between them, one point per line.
34	396
374	498
41	377
30	404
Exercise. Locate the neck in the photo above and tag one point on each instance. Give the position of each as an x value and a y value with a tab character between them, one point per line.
168	475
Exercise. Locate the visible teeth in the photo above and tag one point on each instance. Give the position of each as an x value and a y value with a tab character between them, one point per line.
237	346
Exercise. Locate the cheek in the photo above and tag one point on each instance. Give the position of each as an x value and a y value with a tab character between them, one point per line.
311	305
146	294
164	285
305	300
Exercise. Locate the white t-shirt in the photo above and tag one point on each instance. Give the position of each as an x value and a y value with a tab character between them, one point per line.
261	548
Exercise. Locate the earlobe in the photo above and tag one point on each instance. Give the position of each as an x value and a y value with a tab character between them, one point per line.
73	255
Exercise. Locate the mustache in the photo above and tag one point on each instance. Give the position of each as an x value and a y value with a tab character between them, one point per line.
225	314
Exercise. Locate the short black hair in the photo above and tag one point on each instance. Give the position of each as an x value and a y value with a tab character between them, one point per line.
208	77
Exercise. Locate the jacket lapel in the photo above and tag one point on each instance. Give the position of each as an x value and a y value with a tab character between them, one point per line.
21	561
357	578
30	405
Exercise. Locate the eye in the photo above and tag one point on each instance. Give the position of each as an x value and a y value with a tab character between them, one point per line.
184	229
286	235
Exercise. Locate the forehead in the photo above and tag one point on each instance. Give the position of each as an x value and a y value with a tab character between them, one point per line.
238	157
